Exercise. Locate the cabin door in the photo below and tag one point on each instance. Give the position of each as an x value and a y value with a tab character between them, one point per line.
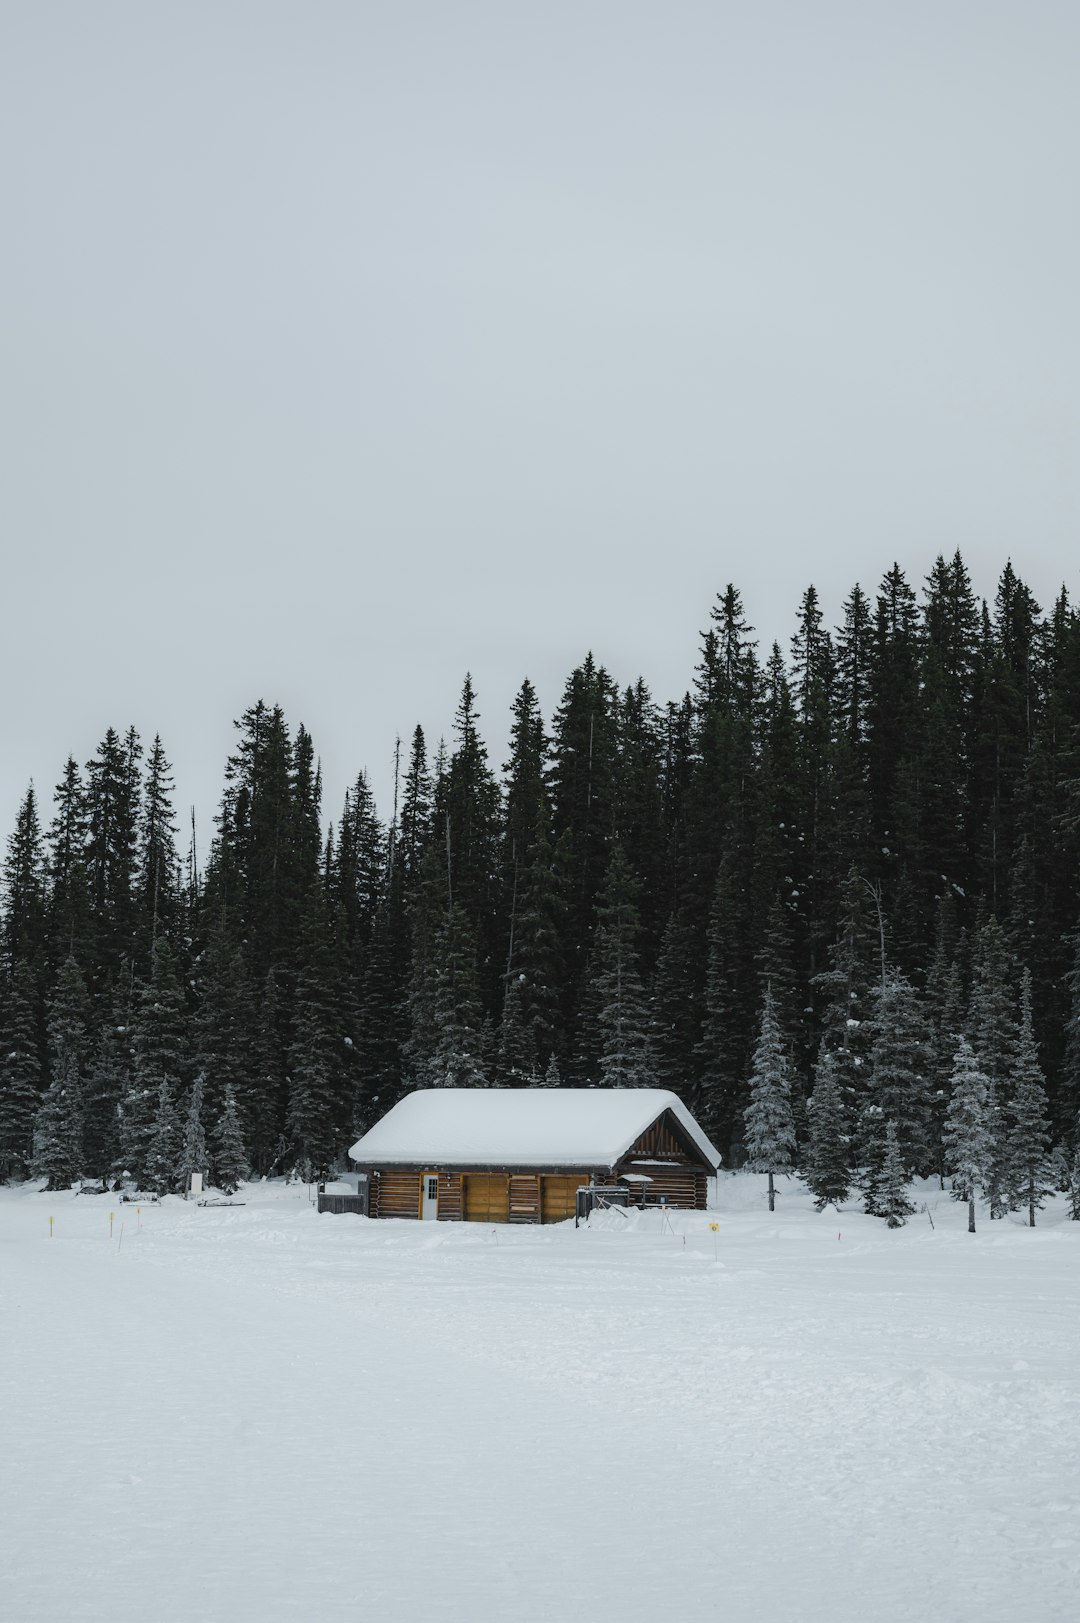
429	1195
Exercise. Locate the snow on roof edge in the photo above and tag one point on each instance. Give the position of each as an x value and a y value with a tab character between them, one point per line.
451	1126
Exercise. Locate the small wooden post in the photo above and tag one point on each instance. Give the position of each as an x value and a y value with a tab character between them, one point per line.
50	1228
111	1216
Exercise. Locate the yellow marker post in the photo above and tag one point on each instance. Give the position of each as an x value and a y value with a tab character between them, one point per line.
111	1216
50	1228
714	1230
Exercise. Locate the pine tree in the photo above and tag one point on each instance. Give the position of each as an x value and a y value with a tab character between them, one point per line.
1074	1183
901	1056
194	1155
517	1064
967	1142
156	881
163	1149
230	1163
112	811
889	1198
22	918
615	1005
991	1029
57	1155
535	944
157	1041
552	1079
845	990
1029	1140
68	893
319	1113
675	1028
457	1059
108	1083
728	998
770	1127
826	1162
58	1129
20	1071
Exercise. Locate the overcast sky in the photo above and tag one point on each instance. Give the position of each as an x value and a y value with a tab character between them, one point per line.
347	347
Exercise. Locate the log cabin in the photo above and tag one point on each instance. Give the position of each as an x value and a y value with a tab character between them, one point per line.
519	1155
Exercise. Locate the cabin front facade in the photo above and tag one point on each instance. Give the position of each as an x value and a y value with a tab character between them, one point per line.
519	1155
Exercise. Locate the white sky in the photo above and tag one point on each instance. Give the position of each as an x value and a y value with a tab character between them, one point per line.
346	347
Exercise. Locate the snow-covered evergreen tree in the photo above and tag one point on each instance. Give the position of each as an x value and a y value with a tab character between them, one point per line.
58	1128
991	1030
230	1162
1029	1140
516	1063
108	1080
57	1131
826	1165
889	1197
967	1142
194	1156
616	1004
457	1060
1074	1183
769	1125
552	1079
20	1071
162	1153
157	1039
901	1058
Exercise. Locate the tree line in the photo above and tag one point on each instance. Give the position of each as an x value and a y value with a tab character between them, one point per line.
850	867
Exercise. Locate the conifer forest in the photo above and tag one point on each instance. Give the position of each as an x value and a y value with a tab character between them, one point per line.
828	896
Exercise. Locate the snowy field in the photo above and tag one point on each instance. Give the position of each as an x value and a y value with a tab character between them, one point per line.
260	1413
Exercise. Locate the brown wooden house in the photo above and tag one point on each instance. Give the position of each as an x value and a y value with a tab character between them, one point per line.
519	1155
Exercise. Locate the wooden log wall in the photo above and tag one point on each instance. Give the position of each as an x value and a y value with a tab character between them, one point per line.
451	1197
395	1194
679	1183
524	1198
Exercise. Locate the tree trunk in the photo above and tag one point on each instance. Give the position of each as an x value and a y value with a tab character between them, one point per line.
1031	1205
971	1212
772	1194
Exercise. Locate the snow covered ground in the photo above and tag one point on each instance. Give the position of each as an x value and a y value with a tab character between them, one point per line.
259	1413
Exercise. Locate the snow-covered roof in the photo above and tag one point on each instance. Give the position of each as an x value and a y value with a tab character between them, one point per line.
524	1127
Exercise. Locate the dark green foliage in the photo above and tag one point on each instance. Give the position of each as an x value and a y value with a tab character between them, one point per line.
112	825
675	1027
1029	1139
769	1124
20	1070
888	1197
157	881
883	828
458	1057
194	1155
517	1064
159	1169
230	1162
901	1059
22	921
619	1053
69	896
826	1162
58	1129
157	1044
968	1145
108	1080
